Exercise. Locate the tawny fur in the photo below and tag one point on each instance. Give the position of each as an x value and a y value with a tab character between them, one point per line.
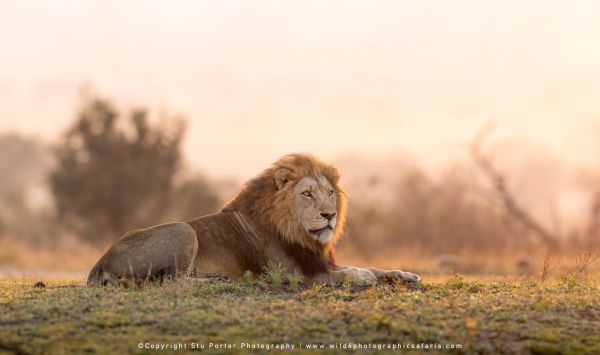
259	224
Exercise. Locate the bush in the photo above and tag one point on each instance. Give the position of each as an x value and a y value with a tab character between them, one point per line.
114	173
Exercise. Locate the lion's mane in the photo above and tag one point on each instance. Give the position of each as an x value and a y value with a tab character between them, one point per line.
269	208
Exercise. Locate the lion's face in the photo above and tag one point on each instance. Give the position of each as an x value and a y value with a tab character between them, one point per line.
314	206
299	200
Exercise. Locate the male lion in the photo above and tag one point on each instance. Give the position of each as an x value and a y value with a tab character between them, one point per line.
293	214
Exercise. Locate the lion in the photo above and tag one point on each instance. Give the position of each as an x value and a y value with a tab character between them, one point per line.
292	214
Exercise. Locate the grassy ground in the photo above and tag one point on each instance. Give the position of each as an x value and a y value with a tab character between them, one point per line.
510	317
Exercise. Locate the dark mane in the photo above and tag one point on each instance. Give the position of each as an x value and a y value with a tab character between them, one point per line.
311	262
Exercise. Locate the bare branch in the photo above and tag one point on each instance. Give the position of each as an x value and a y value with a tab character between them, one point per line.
585	258
498	181
550	263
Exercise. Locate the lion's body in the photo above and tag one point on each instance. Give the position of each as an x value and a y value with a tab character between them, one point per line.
224	247
163	250
293	214
230	244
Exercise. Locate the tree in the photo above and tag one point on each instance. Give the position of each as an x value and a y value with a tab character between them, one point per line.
113	172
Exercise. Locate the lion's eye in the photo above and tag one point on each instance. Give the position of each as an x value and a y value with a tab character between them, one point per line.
331	192
307	194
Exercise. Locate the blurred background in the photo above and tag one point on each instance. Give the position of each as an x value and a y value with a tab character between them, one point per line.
467	132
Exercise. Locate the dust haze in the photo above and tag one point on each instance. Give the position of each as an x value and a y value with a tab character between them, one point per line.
393	92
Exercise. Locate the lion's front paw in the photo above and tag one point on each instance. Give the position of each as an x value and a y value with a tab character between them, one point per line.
360	275
401	275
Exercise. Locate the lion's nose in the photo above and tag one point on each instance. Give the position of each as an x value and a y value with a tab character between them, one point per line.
328	216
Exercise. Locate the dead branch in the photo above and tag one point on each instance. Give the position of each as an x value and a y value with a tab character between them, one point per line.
498	181
585	258
550	263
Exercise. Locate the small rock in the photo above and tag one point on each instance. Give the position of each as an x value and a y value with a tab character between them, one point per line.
39	284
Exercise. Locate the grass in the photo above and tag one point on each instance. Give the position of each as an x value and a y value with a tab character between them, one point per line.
66	317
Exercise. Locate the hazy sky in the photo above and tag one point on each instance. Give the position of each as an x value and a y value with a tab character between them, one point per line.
258	79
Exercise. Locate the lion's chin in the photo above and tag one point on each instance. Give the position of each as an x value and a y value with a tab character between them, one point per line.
323	235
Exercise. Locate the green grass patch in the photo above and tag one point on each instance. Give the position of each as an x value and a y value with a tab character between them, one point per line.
483	317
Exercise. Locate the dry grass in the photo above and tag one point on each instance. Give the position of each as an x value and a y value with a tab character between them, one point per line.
71	255
63	255
585	258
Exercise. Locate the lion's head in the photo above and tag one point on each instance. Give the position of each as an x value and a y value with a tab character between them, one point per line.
298	198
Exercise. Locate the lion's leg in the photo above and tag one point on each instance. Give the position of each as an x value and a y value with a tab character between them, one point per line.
364	275
167	250
345	273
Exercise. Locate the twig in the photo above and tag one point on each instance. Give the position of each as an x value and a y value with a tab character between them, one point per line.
550	263
498	181
584	259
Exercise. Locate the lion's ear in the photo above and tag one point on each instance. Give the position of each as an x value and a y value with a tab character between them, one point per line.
282	176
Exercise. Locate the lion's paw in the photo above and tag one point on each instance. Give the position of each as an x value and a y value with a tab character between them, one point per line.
402	275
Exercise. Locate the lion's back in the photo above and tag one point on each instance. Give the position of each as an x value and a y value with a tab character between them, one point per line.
222	248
